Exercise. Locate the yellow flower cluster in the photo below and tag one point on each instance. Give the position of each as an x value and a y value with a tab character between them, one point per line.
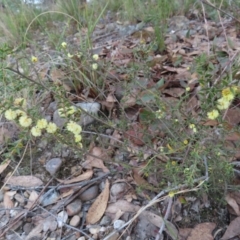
41	125
94	66
193	127
25	121
20	102
76	129
64	44
213	114
228	94
95	57
34	59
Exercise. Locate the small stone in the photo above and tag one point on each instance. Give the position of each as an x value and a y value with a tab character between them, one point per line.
53	165
75	220
118	223
62	218
20	198
74	207
49	197
94	229
81	238
106	220
118	189
27	228
89	194
50	224
103	229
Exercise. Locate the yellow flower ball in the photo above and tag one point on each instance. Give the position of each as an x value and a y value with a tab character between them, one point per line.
193	127
78	138
94	66
34	59
187	89
20	102
74	127
69	55
25	121
10	114
213	114
223	103
64	44
228	94
171	194
36	132
80	145
42	123
51	128
95	57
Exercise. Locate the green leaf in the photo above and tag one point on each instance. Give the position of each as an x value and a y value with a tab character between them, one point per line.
146	115
160	83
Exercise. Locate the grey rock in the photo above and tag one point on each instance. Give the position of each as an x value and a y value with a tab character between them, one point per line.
89	194
53	165
59	121
49	197
81	238
20	198
118	189
91	108
95	229
62	218
49	224
106	221
74	207
118	223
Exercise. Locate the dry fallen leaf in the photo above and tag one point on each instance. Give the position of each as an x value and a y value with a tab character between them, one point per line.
85	176
24	181
4	166
141	182
232	202
7	199
98	208
232	116
135	134
202	231
184	233
174	92
232	230
94	159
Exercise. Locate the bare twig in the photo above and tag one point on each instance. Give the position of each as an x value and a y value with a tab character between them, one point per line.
159	234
